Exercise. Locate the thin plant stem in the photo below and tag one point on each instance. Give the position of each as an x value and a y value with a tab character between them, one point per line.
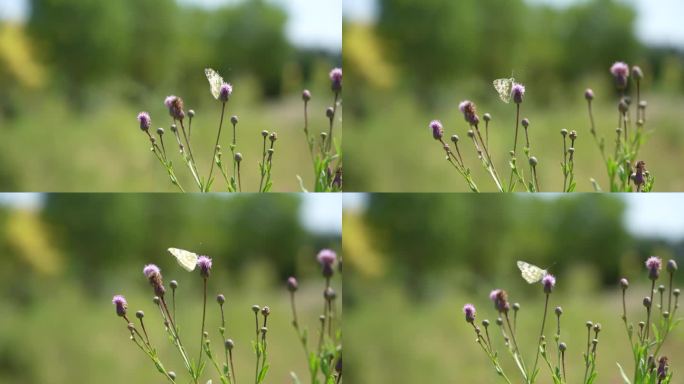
332	120
586	356
309	143
648	313
541	332
515	344
218	136
515	141
263	164
204	315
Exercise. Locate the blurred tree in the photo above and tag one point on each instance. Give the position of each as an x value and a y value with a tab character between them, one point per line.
250	37
154	34
83	41
424	235
101	233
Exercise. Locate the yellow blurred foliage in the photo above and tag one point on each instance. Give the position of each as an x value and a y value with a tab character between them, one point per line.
364	52
358	247
30	239
17	58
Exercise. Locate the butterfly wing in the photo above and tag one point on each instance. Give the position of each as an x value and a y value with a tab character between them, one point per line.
186	259
215	81
531	273
503	88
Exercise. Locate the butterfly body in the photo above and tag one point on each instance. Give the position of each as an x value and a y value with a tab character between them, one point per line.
186	259
531	273
215	82
503	88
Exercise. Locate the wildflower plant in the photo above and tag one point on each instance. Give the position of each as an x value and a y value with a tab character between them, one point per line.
649	365
647	339
325	152
324	360
222	363
326	159
626	171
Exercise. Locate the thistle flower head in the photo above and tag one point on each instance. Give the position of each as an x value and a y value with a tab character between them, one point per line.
175	106
336	79
500	299
121	305
637	73
487	117
662	368
292	284
144	120
624	283
647	302
153	274
326	257
558	311
140	314
525	122
234	120
437	129
306	95
517	93
620	72
654	264
671	266
562	347
469	311
204	264
589	94
220	299
225	91
469	111
549	281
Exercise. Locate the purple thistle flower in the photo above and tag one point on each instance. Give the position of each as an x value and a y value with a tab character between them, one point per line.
204	264
327	258
145	121
225	91
175	106
469	311
292	284
662	368
549	281
500	299
437	129
517	93
121	305
153	274
589	94
336	79
469	111
620	71
654	265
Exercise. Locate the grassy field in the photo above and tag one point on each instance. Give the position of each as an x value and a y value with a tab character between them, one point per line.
391	338
390	148
68	335
50	147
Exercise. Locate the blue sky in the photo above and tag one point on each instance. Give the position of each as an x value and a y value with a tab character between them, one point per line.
312	23
658	21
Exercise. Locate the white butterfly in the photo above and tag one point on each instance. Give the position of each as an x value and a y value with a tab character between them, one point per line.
531	273
186	259
215	82
503	88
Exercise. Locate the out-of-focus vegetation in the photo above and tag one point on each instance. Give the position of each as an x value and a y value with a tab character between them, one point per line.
435	53
431	254
63	263
76	73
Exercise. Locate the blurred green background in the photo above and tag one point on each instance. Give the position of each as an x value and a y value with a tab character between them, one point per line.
65	256
409	62
414	260
75	73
